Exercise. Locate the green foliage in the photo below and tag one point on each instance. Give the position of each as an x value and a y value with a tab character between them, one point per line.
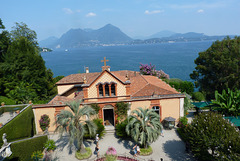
218	67
121	110
146	151
37	155
7	101
23	126
23	75
74	123
82	156
50	145
121	129
100	129
228	102
23	150
198	96
183	121
213	138
22	30
58	78
181	86
44	122
187	104
96	107
144	126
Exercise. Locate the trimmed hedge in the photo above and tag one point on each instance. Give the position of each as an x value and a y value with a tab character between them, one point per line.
23	150
22	126
10	109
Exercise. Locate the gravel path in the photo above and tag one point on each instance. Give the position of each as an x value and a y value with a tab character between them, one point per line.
170	147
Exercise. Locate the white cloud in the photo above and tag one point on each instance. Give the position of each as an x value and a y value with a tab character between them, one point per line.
91	14
200	11
147	12
67	10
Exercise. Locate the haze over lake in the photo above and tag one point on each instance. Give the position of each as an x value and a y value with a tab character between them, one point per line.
175	59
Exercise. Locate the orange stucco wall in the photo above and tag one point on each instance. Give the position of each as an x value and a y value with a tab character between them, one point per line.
143	104
170	107
41	111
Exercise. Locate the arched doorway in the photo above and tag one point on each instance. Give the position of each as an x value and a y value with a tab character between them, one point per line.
108	115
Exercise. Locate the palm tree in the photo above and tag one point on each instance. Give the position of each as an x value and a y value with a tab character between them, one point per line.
144	126
76	123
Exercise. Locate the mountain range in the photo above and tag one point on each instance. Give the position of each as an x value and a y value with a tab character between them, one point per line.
112	35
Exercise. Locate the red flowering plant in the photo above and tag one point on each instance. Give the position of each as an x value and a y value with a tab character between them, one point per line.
44	122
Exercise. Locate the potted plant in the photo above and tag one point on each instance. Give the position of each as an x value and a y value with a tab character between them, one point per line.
50	145
44	122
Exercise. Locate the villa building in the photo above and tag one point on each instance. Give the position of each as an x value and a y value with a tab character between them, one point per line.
106	88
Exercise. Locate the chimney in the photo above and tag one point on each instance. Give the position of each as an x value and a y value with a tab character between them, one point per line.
87	70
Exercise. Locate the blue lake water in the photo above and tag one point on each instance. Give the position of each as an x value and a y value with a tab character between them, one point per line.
175	59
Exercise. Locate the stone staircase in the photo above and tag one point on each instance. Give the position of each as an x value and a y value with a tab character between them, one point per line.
110	130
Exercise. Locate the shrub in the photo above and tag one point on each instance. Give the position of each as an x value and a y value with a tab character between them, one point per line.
146	151
213	138
121	129
23	126
198	96
50	145
37	155
111	154
44	122
183	121
86	155
146	69
100	129
23	150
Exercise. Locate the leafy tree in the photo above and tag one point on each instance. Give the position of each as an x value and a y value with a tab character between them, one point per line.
218	67
23	69
213	138
182	86
22	30
73	122
4	43
228	102
144	126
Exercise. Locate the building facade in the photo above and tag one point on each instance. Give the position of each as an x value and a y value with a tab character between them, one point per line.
106	88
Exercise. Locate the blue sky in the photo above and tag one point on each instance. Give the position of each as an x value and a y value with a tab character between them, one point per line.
133	17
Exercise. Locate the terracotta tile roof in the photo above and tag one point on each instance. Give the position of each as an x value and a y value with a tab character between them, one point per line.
140	86
59	100
79	78
159	83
